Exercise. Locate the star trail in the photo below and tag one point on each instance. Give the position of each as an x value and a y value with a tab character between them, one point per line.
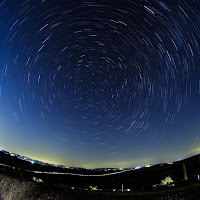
100	83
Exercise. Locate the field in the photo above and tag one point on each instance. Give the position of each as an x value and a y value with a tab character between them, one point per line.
18	189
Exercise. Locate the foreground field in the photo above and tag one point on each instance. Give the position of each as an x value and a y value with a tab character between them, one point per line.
18	189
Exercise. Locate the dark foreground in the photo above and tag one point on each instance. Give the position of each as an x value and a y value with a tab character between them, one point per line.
18	189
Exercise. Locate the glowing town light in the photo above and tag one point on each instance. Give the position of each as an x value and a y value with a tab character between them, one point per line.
138	167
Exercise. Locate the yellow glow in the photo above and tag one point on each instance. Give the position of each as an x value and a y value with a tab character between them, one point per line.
196	150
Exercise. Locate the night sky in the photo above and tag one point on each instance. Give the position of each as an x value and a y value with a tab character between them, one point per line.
103	83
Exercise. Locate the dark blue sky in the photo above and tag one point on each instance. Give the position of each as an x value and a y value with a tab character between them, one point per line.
100	83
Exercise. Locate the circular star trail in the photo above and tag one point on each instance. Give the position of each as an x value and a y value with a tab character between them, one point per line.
100	83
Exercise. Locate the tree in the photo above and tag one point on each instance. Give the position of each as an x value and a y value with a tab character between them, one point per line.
165	182
168	180
93	188
185	172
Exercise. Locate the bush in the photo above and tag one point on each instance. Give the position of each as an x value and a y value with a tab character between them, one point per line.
12	189
38	180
